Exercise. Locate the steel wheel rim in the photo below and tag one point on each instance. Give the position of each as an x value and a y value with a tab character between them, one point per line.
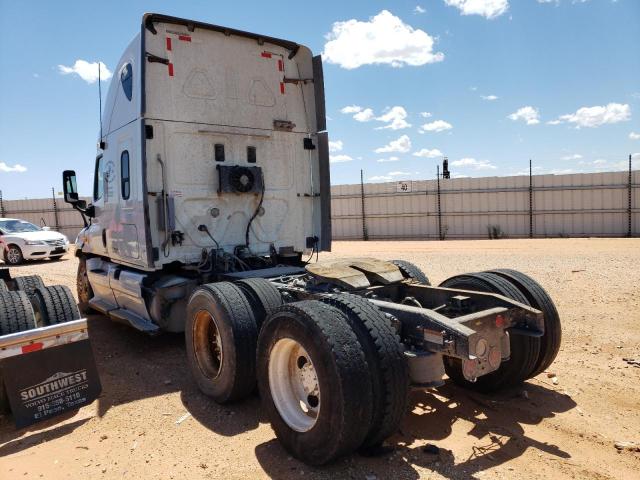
207	345
13	255
294	386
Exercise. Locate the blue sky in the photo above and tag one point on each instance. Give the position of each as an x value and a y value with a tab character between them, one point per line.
566	75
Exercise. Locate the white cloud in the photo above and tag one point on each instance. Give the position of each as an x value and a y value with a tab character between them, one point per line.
335	146
87	71
384	39
473	163
12	168
426	153
390	159
419	9
554	122
399	174
380	178
361	114
402	145
490	98
436	126
351	109
364	116
634	136
487	8
575	156
527	114
598	115
425	114
395	119
339	158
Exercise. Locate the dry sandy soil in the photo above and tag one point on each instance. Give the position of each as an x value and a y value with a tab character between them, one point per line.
558	431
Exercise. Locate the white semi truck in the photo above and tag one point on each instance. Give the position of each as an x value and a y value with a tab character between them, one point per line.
211	197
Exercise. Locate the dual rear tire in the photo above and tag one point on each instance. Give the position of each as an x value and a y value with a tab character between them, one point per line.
530	356
331	374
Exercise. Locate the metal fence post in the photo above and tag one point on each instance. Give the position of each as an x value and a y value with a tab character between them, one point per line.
439	205
2	212
365	234
530	200
55	209
629	201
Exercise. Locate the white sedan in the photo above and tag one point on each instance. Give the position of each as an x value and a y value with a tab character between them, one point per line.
22	240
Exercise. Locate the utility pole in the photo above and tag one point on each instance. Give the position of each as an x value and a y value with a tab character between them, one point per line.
530	200
439	205
365	234
629	201
55	209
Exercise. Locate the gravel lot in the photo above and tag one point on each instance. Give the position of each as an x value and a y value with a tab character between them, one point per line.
563	430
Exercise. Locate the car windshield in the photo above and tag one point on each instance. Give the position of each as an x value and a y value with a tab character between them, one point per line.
17	226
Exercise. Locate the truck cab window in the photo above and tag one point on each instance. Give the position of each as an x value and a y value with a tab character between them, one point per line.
125	180
98	179
126	79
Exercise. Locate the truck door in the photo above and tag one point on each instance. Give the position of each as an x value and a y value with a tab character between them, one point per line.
123	230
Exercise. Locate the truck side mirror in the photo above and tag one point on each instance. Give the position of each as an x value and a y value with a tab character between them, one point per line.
69	187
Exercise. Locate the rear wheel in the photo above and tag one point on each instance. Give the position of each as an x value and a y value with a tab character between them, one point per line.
28	283
314	382
540	299
411	271
388	368
13	255
16	313
263	297
3	286
524	350
54	304
221	335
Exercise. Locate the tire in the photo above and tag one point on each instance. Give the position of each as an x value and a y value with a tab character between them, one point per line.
524	350
28	283
263	297
54	304
411	271
3	286
387	366
220	313
16	313
85	292
13	255
540	299
322	339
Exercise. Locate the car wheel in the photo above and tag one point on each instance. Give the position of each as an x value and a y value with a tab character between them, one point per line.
13	255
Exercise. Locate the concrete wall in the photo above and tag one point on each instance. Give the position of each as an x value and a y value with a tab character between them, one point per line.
578	205
41	211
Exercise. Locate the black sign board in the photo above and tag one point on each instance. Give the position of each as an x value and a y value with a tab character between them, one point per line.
51	381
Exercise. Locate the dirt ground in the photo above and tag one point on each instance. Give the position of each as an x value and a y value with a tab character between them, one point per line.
540	430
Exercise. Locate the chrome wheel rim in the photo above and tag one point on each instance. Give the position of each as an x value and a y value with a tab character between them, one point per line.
13	255
294	386
207	345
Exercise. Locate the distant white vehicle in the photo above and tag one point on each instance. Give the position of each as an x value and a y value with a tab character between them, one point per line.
21	240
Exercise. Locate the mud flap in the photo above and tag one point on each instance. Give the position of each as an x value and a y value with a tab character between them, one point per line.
44	381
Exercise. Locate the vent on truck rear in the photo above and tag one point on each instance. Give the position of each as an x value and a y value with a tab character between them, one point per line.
238	179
